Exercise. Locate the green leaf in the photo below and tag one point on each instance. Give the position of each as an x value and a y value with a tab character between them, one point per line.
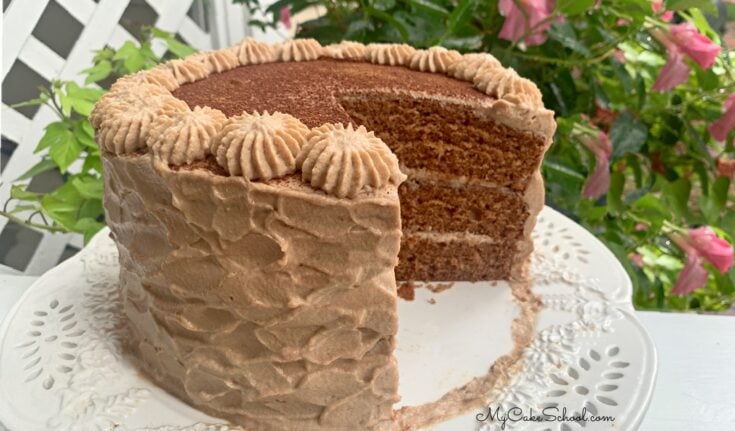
92	162
64	150
56	133
88	227
705	5
430	6
712	204
98	72
677	196
43	166
565	34
18	191
65	102
85	134
725	282
627	135
615	192
574	7
88	187
652	208
177	48
62	205
460	15
40	100
132	57
388	18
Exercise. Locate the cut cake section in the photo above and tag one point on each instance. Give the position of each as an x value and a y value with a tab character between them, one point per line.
473	191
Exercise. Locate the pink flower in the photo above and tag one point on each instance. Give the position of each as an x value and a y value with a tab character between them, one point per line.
599	181
720	128
683	39
658	8
637	260
715	250
726	168
694	44
692	277
674	72
701	244
518	22
604	117
619	55
285	17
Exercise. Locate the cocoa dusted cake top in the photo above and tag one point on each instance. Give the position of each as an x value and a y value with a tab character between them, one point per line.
254	107
310	90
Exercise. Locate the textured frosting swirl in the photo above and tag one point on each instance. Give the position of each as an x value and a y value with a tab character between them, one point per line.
159	75
344	161
123	118
185	136
299	50
187	70
346	50
466	67
250	51
506	84
392	54
217	61
122	93
434	59
260	146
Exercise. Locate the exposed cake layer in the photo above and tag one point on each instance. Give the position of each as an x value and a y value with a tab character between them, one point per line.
271	306
447	136
433	123
453	205
455	256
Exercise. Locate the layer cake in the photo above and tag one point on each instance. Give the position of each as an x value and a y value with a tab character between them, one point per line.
258	200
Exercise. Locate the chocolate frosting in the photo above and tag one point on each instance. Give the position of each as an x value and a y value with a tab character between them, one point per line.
271	305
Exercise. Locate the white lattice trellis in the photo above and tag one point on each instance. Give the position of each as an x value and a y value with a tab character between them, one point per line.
101	26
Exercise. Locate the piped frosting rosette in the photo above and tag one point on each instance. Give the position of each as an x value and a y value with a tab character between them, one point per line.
299	50
391	54
260	146
217	61
250	51
344	161
506	84
188	70
123	116
183	137
469	64
346	50
436	59
159	75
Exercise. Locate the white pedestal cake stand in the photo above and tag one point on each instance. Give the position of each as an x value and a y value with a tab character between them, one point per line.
61	365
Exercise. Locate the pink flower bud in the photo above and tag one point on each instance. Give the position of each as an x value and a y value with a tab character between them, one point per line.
284	17
720	128
715	250
726	168
674	72
518	22
599	182
692	277
694	44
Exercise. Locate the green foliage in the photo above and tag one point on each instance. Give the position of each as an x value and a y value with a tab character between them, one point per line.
595	71
68	144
